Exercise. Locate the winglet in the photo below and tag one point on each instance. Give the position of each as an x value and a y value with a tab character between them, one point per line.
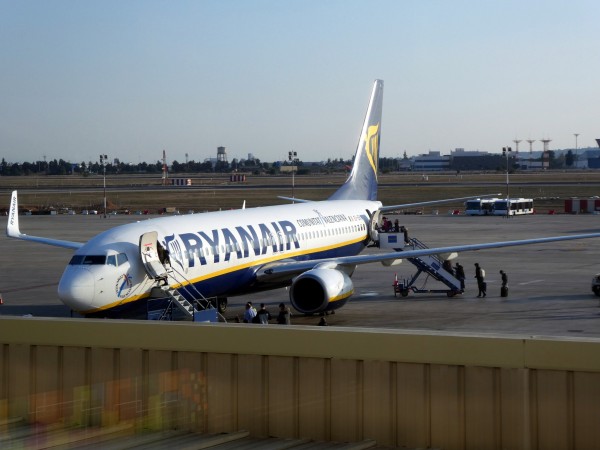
12	226
12	229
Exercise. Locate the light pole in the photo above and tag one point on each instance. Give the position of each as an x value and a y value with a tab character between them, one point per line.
576	135
505	152
293	158
103	159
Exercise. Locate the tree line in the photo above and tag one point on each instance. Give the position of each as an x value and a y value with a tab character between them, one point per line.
62	167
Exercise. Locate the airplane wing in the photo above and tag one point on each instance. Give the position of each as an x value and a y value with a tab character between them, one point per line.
433	202
284	269
12	229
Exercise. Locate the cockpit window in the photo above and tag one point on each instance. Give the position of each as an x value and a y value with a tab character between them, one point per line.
94	259
121	259
88	259
111	260
76	260
116	260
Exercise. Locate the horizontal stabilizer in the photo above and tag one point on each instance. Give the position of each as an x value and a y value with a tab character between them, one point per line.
293	199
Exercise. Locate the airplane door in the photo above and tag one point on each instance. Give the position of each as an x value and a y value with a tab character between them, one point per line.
374	225
149	255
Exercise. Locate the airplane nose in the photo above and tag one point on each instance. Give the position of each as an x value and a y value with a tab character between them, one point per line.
76	288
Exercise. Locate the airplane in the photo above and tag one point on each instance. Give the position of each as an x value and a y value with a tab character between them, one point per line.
311	247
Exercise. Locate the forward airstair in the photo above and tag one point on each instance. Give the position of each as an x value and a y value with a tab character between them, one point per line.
437	267
198	309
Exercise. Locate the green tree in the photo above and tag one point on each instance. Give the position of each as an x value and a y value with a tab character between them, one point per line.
569	158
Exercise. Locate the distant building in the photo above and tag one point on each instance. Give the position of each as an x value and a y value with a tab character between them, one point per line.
212	161
534	161
476	160
432	162
591	158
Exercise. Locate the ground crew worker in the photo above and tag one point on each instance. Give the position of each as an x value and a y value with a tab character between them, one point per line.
460	275
480	276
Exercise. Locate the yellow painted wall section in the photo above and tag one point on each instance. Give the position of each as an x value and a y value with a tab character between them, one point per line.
398	388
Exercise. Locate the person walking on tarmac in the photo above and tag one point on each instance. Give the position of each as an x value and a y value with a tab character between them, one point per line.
460	275
504	287
480	276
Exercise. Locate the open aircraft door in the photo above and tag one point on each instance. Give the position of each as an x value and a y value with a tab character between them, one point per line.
149	252
374	225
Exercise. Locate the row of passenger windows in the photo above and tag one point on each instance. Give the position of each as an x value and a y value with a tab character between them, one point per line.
111	260
281	239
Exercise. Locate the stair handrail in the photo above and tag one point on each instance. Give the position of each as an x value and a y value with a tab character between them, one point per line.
207	303
190	288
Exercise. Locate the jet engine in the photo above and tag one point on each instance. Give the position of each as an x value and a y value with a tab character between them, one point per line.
320	290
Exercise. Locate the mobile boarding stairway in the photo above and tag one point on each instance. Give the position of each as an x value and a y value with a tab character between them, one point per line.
431	265
183	303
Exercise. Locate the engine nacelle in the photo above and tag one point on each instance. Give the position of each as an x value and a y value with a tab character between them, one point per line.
320	290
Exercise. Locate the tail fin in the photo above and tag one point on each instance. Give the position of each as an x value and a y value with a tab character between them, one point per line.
362	182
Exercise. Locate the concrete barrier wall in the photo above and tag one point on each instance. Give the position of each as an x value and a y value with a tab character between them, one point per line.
323	383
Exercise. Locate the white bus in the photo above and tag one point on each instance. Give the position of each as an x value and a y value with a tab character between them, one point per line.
480	206
518	206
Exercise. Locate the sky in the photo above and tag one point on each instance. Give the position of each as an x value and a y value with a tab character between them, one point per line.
131	78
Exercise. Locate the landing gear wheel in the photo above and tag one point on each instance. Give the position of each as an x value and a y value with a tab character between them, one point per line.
221	304
596	290
404	292
451	293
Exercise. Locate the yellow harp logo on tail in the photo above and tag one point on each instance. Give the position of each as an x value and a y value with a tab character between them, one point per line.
372	146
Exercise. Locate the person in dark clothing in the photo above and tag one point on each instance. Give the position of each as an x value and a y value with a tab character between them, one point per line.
480	276
284	316
460	275
504	288
263	315
504	279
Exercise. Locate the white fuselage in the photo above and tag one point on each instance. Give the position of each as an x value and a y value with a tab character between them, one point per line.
219	252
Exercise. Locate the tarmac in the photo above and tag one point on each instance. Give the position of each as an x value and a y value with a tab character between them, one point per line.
549	284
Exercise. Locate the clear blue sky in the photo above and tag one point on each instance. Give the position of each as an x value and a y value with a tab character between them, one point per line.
131	78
